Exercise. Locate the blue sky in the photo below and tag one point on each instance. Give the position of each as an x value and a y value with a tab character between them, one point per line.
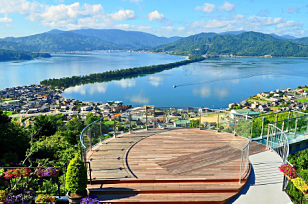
159	17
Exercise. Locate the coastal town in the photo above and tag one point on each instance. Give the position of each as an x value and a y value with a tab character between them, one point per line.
30	101
38	99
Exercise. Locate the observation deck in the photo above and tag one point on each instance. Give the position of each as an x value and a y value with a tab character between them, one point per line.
170	166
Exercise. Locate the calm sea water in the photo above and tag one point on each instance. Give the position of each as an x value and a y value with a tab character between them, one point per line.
63	65
210	83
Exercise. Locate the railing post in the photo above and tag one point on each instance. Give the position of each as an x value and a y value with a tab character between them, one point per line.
262	129
130	123
240	180
296	121
234	131
146	117
114	127
200	118
268	133
251	128
218	122
90	137
289	116
276	118
281	135
100	131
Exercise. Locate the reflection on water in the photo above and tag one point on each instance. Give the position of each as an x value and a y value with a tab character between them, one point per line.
126	83
213	82
156	80
64	65
203	92
139	99
88	89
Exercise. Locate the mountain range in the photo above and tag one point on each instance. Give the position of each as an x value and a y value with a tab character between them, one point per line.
240	43
85	40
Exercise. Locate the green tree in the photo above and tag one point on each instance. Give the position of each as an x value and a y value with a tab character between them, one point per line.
14	142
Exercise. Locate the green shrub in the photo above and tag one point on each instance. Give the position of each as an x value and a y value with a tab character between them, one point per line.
76	176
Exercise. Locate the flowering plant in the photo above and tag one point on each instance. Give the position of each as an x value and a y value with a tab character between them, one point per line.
23	197
14	173
88	200
44	198
1	172
2	195
288	170
49	171
300	184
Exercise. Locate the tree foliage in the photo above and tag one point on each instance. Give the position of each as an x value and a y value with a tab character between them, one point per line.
7	55
14	142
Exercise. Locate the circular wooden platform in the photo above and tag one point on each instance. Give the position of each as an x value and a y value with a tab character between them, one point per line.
176	165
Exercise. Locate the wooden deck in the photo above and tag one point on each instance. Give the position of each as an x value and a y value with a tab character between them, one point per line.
163	166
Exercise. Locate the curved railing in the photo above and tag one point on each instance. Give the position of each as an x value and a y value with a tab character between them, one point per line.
86	145
277	140
244	166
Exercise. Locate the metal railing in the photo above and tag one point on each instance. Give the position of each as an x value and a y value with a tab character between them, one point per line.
277	140
244	165
143	118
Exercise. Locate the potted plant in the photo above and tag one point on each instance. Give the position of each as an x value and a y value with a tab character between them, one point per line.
20	196
16	173
288	170
89	200
3	182
2	196
47	172
300	184
76	180
45	198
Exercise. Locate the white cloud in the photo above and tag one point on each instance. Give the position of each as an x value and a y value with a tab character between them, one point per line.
227	6
173	29
256	23
293	9
287	23
67	16
6	20
123	15
214	23
155	15
123	26
207	8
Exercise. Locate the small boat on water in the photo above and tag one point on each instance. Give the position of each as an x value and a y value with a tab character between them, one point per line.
174	86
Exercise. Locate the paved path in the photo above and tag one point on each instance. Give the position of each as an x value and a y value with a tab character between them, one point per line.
265	182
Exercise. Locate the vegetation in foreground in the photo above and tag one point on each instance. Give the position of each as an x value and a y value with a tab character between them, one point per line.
300	161
50	141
